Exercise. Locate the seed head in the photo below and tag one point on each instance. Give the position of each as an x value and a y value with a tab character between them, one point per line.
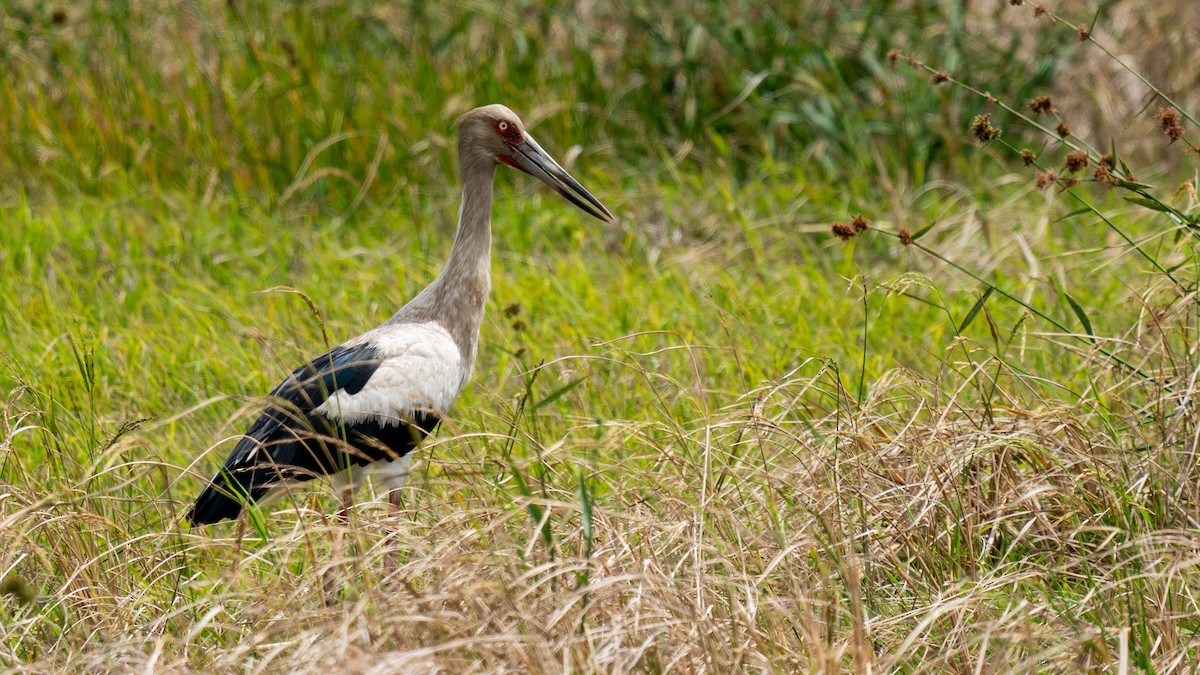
1044	178
1068	183
1028	156
905	236
893	56
859	223
843	231
982	127
1063	130
1016	3
939	77
912	61
58	17
1041	105
1168	119
1102	175
1076	161
1083	32
1039	10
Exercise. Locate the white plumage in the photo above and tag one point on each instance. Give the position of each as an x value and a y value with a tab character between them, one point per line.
367	403
421	370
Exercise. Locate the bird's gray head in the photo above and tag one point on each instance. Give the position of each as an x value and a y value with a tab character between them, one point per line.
488	133
493	134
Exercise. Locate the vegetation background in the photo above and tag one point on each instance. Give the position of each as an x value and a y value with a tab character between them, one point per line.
709	437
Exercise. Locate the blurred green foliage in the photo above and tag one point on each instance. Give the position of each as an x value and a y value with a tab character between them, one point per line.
255	98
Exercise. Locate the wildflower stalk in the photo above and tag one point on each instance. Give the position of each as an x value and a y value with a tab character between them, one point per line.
1158	92
1111	225
1123	178
1014	111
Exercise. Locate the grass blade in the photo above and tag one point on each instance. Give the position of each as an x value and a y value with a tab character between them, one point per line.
1081	314
975	309
558	393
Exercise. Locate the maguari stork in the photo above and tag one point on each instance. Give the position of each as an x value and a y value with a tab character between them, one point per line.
363	406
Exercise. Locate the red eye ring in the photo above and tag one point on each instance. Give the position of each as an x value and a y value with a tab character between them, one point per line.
508	131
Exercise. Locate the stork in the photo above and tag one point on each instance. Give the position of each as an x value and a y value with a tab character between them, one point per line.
363	406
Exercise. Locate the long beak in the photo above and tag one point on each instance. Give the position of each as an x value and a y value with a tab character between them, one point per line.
533	160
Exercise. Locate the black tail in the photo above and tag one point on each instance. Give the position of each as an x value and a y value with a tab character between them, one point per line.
214	505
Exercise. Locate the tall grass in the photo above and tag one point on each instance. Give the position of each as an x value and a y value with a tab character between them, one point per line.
711	437
238	97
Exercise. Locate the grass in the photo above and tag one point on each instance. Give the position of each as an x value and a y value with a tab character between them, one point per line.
709	437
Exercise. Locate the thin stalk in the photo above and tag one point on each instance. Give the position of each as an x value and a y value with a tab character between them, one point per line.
1041	315
862	370
1066	141
1112	226
1131	71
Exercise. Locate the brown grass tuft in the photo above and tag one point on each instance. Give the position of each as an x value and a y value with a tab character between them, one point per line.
1045	178
1041	105
1168	119
981	127
1076	161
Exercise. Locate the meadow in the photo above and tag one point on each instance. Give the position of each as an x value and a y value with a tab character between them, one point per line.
730	432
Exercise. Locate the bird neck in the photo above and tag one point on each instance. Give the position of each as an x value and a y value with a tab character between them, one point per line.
470	264
457	296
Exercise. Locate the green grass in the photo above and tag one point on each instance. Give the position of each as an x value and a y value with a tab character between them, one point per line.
709	436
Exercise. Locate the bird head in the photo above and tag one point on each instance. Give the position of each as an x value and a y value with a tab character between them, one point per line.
495	134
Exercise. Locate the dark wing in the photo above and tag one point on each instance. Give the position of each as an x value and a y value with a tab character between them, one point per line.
287	442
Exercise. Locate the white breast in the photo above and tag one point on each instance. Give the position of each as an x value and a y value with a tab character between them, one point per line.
421	371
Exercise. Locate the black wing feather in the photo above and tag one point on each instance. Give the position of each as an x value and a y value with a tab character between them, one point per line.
289	443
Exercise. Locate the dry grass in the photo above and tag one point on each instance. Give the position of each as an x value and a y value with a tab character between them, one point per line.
776	471
790	531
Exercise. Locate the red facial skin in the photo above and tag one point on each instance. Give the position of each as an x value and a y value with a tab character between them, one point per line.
510	133
512	136
505	159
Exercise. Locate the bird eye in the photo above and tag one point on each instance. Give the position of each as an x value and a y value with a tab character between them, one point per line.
509	131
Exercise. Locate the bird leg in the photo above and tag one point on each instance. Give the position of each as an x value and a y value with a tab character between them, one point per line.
391	558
